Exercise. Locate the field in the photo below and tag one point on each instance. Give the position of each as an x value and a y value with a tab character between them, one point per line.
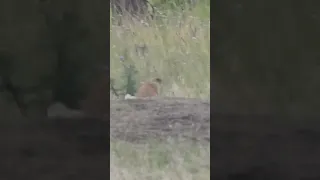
175	47
162	139
165	138
159	161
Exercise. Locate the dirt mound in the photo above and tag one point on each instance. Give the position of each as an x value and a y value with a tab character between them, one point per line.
160	118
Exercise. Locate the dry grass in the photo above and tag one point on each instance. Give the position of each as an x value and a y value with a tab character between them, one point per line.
175	48
183	161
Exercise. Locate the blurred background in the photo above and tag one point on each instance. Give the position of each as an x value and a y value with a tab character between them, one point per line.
266	57
52	51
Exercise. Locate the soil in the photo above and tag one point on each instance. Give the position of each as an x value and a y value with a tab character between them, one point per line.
138	120
243	146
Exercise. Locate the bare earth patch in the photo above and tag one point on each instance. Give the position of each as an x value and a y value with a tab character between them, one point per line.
160	118
160	138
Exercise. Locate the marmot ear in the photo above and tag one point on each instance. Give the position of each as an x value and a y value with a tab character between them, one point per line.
158	80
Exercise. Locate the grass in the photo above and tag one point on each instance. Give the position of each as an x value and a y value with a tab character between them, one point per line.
183	161
176	48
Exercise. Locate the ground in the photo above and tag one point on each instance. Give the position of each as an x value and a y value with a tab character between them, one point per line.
160	138
78	148
160	118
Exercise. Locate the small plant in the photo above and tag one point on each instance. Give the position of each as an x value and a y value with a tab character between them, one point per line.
129	73
128	77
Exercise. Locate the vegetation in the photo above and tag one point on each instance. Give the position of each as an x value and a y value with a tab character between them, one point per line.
159	161
174	46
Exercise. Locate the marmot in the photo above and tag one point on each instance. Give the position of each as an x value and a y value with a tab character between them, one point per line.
149	88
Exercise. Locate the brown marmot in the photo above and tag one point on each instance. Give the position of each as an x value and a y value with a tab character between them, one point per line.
149	88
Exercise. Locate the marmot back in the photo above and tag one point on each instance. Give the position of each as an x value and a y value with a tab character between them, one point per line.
149	88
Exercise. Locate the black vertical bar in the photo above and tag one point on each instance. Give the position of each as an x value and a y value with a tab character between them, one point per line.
107	59
270	126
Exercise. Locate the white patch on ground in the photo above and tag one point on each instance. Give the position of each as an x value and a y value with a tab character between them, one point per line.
128	96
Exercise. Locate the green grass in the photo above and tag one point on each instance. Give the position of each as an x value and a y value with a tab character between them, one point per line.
178	50
183	161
